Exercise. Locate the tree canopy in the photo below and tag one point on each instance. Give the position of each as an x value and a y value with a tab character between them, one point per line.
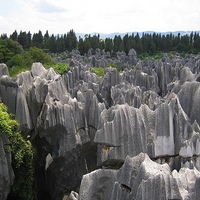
147	43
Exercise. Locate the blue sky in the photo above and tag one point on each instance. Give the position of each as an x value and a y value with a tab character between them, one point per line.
102	16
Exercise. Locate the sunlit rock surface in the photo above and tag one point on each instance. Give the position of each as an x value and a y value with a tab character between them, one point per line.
141	178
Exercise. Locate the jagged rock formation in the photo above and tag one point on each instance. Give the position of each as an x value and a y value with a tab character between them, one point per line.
141	178
99	58
88	128
6	171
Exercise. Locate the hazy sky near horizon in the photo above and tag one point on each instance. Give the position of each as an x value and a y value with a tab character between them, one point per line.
102	16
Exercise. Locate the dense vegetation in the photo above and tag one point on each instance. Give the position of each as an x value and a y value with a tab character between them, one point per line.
22	157
146	44
18	59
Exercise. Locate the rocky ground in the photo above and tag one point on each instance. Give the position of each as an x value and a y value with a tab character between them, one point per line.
128	135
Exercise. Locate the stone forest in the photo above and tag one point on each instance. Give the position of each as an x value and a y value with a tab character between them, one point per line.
133	133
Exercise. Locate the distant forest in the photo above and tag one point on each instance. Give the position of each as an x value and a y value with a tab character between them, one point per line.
146	44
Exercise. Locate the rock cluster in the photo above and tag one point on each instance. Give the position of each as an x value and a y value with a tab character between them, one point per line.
99	58
141	178
127	135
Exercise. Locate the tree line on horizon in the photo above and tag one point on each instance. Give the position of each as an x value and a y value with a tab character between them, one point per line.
146	44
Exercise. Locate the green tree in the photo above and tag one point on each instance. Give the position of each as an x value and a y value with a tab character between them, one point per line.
8	49
118	44
46	40
71	40
28	40
37	39
14	35
38	55
22	38
4	36
81	46
60	44
5	54
127	44
109	45
139	46
52	44
95	42
87	44
196	44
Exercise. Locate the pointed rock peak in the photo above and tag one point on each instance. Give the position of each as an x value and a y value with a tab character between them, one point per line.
3	69
37	69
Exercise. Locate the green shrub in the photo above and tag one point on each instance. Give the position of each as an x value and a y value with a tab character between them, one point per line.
38	55
60	68
14	71
99	71
23	62
22	157
114	66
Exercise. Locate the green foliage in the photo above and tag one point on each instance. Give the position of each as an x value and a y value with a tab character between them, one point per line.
12	45
17	70
38	55
115	66
155	56
5	54
22	157
99	71
8	48
60	68
23	62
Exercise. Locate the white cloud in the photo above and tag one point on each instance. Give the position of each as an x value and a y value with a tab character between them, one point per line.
103	16
46	7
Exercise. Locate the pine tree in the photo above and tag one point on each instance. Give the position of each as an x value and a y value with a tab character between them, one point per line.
14	35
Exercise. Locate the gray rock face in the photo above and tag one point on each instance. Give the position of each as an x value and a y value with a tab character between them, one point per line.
55	121
125	130
6	171
189	96
97	184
